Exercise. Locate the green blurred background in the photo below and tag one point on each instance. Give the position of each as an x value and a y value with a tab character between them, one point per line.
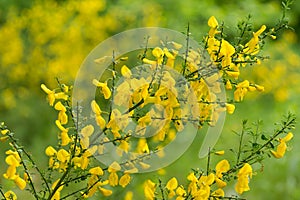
42	40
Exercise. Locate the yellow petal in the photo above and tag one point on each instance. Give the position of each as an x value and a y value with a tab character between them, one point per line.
212	22
105	192
95	107
96	171
60	106
50	151
63	155
58	124
114	167
288	137
61	95
10	195
21	183
12	160
259	88
113	179
4	132
87	131
220	152
172	184
157	52
45	89
230	108
124	180
125	71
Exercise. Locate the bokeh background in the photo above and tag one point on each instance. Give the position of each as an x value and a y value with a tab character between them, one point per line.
42	40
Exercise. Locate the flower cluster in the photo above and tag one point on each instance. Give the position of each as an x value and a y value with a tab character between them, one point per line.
212	184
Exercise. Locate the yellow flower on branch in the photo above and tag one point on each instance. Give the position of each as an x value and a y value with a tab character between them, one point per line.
281	148
126	72
62	116
171	185
149	190
104	88
21	183
124	180
52	95
252	47
10	195
65	139
213	24
244	175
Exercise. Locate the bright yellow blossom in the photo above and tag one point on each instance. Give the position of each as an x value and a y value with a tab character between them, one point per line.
244	175
10	195
149	189
21	183
124	180
96	171
104	88
105	192
171	185
62	116
281	148
126	72
230	108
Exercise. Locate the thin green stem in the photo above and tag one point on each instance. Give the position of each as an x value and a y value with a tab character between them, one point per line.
241	142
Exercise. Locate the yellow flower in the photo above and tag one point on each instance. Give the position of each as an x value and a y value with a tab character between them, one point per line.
4	132
281	148
10	172
252	47
104	88
12	160
222	167
230	108
234	74
113	178
87	131
244	175
50	151
21	183
220	153
126	72
212	22
10	195
142	146
288	137
105	192
52	95
220	183
128	195
63	156
149	189
228	85
56	196
62	116
218	193
171	185
259	88
180	193
159	54
65	139
124	180
96	171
